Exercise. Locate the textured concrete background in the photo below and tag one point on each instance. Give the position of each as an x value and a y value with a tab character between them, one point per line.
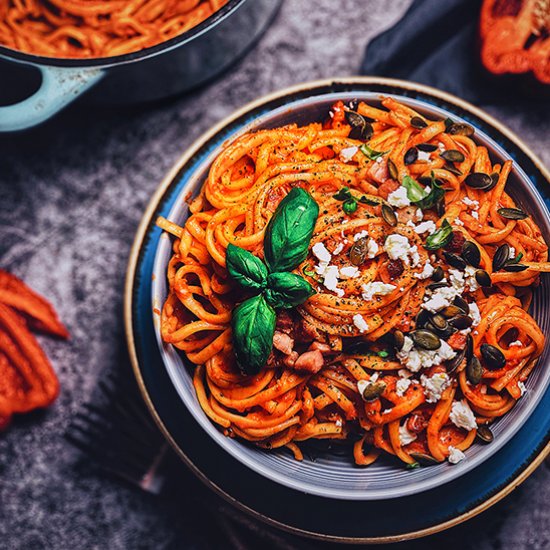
71	195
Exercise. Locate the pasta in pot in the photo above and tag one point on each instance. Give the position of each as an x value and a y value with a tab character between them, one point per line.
97	28
417	336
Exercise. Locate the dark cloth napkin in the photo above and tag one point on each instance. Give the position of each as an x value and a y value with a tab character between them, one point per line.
437	43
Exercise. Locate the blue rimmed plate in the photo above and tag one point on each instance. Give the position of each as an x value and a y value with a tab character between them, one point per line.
212	463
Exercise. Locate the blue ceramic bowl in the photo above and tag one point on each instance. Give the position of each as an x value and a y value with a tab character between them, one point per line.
333	474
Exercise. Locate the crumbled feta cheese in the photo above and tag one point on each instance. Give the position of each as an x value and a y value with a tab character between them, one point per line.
376	288
435	385
330	280
474	313
455	455
321	253
470	278
372	248
339	247
349	272
401	386
517	343
418	215
360	235
426	272
425	227
522	388
416	359
462	416
360	323
441	147
475	214
512	254
470	202
404	373
348	153
405	437
458	221
439	298
424	155
398	248
398	198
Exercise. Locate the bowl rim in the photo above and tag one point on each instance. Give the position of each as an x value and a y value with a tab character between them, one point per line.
146	220
105	62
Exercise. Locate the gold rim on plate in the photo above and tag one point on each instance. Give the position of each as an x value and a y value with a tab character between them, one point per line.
129	285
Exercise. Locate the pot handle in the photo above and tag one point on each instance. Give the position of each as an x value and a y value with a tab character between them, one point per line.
59	87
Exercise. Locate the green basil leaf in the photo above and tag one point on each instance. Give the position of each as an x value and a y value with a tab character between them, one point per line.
343	194
253	325
287	290
441	237
371	154
289	231
245	268
415	192
430	200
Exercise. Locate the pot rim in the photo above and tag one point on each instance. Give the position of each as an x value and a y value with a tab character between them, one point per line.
106	62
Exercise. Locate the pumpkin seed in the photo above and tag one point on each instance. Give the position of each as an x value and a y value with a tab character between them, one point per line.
478	180
515	268
451	311
423	317
411	156
483	278
454	260
373	391
438	274
469	347
461	303
392	170
460	129
456	361
474	371
502	254
471	253
461	321
398	339
360	127
452	169
484	434
426	339
440	206
427	147
389	215
439	322
453	155
424	459
512	213
417	122
493	357
359	251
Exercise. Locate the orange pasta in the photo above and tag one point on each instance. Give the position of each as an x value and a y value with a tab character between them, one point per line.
76	29
418	331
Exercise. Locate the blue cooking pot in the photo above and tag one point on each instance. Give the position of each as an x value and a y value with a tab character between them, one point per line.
169	68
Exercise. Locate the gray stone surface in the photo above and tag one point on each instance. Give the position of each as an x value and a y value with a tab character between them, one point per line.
71	195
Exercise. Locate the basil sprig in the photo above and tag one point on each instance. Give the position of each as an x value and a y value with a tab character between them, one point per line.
442	237
370	153
286	244
418	194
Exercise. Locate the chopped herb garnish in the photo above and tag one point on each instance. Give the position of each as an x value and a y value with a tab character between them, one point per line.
371	154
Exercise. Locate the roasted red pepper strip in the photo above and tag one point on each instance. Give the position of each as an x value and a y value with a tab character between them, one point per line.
514	36
15	293
39	375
